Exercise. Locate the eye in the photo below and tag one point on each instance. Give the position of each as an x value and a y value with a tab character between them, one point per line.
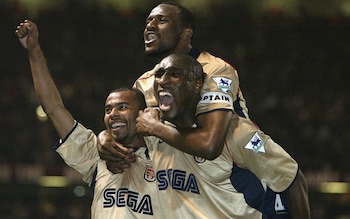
174	72
158	19
162	20
108	110
159	73
123	106
148	20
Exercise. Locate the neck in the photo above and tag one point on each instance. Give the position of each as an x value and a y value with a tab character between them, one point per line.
184	49
187	118
135	143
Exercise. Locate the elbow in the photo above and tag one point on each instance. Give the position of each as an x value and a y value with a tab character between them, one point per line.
211	151
53	110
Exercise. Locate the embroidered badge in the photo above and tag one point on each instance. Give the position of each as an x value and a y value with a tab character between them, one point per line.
199	159
256	144
149	174
223	83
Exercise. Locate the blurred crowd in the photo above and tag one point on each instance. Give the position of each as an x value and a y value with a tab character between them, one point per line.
294	73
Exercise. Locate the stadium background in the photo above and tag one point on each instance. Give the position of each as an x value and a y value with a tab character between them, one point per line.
292	58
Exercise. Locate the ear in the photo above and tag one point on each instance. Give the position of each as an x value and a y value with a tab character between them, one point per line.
187	33
198	86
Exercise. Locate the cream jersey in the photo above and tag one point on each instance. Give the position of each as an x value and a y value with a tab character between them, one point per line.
131	194
220	89
201	188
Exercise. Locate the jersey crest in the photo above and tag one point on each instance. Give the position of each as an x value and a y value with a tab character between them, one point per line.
223	83
256	144
149	175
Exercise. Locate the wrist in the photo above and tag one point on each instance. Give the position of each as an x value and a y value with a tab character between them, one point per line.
35	49
157	128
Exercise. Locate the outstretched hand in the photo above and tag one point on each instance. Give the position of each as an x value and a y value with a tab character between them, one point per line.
28	34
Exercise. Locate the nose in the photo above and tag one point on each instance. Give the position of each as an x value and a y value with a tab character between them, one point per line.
114	113
151	24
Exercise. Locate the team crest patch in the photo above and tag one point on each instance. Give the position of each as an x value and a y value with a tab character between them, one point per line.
149	174
223	83
256	144
199	159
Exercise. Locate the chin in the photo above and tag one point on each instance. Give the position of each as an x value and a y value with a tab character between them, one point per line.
169	115
150	53
154	52
121	139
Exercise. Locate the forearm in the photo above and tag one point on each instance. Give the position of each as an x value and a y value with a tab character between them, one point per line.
189	140
45	87
48	94
46	90
206	140
298	198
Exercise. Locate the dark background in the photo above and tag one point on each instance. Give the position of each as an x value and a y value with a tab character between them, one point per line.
293	63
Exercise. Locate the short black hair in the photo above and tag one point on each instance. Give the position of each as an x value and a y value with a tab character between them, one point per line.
139	97
187	18
190	67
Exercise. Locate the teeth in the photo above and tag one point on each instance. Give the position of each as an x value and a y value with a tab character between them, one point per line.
150	38
165	93
165	100
118	124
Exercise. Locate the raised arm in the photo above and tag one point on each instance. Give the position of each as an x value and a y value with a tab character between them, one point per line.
45	88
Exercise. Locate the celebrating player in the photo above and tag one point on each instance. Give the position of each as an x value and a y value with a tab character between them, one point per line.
126	195
205	188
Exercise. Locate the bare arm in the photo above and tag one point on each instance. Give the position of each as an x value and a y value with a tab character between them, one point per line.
298	198
45	88
206	140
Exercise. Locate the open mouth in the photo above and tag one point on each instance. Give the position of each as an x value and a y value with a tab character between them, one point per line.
165	100
150	37
117	125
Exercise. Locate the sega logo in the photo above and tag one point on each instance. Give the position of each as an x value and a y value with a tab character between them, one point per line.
123	197
178	180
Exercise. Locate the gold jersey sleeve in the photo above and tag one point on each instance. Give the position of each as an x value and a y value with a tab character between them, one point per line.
79	151
221	87
252	149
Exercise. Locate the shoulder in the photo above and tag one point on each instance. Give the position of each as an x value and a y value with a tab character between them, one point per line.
145	81
79	137
209	60
148	74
